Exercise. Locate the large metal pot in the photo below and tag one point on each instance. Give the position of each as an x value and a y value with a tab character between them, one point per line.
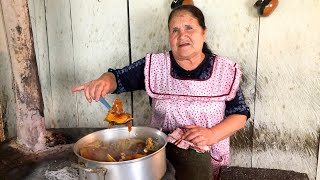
151	167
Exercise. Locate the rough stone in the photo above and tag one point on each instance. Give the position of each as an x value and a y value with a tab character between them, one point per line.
242	173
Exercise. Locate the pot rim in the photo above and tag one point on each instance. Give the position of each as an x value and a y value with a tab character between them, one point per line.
123	162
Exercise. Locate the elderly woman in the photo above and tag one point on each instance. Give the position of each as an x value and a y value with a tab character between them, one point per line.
190	88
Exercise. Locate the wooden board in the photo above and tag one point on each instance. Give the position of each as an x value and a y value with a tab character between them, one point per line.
81	46
100	42
62	63
39	29
318	167
149	34
79	41
2	135
286	133
7	101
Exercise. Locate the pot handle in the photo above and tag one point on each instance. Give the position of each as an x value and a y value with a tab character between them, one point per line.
98	170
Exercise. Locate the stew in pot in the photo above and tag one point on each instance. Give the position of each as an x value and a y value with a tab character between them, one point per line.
120	150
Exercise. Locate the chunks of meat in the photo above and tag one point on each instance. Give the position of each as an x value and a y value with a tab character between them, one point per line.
116	115
150	145
176	138
120	150
125	157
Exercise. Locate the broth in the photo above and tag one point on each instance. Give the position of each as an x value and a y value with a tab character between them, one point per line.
120	150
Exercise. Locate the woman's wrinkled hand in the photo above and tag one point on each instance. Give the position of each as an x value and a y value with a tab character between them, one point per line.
106	83
198	135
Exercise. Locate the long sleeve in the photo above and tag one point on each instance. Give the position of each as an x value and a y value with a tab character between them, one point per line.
237	105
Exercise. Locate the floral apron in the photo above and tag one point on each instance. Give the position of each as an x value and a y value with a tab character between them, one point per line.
180	102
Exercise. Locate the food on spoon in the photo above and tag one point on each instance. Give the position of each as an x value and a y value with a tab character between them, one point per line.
116	115
120	150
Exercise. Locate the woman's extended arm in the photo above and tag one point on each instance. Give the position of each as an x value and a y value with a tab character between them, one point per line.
126	79
106	83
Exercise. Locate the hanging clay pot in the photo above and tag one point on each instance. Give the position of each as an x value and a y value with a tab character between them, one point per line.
266	7
176	3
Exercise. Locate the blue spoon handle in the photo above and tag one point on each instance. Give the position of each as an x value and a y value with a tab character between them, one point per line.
104	102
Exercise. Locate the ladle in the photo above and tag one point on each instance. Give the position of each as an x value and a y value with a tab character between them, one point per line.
104	102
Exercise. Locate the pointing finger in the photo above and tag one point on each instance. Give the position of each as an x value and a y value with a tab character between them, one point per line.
88	97
78	88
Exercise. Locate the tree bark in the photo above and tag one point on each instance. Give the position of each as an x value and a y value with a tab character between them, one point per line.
26	85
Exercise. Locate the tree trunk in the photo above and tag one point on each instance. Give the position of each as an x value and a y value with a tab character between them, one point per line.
29	104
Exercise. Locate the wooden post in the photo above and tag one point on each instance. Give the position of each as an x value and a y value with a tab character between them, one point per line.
29	104
2	137
318	167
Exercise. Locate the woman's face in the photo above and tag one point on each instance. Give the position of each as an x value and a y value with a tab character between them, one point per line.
186	36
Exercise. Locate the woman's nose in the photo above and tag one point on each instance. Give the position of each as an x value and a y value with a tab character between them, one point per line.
182	34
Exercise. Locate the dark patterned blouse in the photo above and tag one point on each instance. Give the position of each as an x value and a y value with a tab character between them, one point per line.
131	78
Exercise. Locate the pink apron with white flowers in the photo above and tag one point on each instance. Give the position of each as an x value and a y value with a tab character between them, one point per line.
180	102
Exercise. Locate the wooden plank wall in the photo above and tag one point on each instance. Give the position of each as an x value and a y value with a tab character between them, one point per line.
286	129
39	27
79	47
76	41
318	167
6	93
100	41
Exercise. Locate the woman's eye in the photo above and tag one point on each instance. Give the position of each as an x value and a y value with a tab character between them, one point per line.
188	27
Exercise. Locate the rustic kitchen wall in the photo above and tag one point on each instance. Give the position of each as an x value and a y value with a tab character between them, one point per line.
76	43
7	112
286	128
77	40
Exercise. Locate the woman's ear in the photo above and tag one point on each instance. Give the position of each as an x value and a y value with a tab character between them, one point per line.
205	34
